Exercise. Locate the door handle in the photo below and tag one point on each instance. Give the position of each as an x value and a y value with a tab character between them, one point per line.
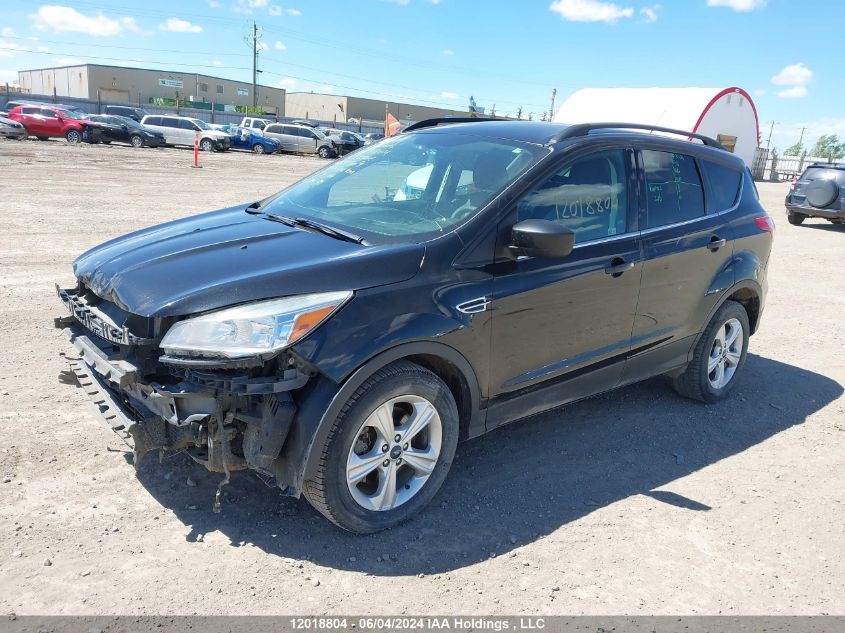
617	266
716	243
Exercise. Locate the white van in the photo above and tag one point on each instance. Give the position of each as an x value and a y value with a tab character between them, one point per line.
182	130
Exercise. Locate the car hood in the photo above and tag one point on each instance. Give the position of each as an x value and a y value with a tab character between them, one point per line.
229	256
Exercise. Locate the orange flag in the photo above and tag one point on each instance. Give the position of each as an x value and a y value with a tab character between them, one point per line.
391	124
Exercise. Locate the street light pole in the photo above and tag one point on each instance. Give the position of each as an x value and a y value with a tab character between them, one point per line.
769	140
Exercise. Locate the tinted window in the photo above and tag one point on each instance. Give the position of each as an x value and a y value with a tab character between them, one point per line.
30	110
185	124
169	122
588	195
152	120
821	173
288	129
49	114
722	186
673	186
274	129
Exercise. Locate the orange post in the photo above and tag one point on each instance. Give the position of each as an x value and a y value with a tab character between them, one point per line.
196	151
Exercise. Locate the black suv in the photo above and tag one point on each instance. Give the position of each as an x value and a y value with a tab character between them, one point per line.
818	193
136	114
343	335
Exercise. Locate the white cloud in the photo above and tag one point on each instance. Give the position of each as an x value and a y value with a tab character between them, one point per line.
293	12
280	46
7	32
399	2
274	9
796	92
214	4
262	46
650	13
217	62
738	5
795	78
70	61
7	75
448	51
177	25
287	82
62	19
590	11
759	92
7	45
451	96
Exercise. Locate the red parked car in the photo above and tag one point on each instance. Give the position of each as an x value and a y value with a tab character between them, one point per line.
44	122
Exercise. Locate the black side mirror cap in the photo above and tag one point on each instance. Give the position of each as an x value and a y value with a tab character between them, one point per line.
541	238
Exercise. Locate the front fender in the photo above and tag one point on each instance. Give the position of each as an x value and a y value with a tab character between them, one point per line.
322	400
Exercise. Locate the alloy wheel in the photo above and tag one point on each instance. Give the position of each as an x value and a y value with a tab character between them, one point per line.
73	137
725	354
394	453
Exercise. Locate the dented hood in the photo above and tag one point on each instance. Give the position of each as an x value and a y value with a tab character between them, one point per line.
229	256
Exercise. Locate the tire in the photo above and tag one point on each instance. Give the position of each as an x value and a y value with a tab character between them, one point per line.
700	380
136	141
795	218
324	152
73	137
412	394
207	145
258	148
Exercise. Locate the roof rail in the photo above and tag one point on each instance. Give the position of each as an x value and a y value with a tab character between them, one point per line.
420	125
582	129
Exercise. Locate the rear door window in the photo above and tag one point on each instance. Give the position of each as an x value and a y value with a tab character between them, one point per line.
673	187
274	129
152	120
185	124
167	121
722	186
30	111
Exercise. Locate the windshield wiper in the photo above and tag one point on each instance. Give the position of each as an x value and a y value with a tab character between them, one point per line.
306	223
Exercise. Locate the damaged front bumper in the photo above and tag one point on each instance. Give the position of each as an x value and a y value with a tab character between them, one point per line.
226	419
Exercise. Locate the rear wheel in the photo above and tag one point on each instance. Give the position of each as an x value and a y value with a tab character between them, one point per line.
795	218
73	136
136	141
258	148
718	357
388	451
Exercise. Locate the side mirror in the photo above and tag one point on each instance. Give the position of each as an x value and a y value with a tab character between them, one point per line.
541	238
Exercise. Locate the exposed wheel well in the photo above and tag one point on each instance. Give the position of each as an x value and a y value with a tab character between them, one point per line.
454	379
749	300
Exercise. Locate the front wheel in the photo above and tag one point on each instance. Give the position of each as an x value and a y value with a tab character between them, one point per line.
324	152
388	451
795	218
136	141
718	357
207	145
258	148
73	136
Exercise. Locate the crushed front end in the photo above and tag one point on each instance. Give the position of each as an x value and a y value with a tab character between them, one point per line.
227	414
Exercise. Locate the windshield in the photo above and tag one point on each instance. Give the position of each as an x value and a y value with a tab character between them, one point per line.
201	124
408	188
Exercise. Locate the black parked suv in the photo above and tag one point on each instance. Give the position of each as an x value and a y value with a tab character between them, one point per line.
818	193
343	335
122	129
136	114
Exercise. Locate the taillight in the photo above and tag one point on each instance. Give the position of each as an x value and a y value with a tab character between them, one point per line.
794	183
765	223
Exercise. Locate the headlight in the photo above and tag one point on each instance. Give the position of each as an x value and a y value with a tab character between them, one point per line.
252	328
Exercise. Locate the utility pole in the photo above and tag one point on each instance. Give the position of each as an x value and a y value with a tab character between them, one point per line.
253	39
769	141
552	109
801	139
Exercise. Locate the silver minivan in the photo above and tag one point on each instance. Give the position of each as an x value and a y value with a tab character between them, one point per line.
182	130
302	139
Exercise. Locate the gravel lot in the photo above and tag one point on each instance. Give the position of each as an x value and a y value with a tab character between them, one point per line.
636	502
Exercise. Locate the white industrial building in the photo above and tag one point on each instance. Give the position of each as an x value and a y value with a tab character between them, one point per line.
726	114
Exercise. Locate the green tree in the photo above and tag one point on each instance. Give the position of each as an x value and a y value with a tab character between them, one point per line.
793	150
829	146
